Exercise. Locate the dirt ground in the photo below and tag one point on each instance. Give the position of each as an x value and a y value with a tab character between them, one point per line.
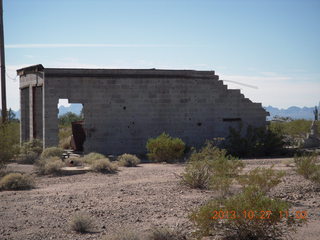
137	199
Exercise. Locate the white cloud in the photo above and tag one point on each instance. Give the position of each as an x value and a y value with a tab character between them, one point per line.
76	45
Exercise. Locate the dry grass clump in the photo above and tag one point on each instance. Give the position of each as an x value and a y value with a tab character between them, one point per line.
51	152
89	158
263	178
128	160
166	234
104	166
51	165
65	134
16	181
307	166
81	223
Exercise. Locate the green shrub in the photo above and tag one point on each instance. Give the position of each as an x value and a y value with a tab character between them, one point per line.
51	165
51	152
262	178
211	168
165	148
16	181
248	215
82	223
9	141
257	142
307	166
166	234
89	158
103	165
128	160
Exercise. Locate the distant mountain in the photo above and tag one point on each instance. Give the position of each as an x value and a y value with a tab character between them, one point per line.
292	112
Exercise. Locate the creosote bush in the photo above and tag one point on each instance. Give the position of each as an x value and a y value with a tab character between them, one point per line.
128	160
30	151
104	166
89	158
51	165
51	152
165	148
262	178
16	181
307	166
211	168
248	215
82	223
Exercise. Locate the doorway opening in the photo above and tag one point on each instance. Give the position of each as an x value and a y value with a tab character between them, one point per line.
70	123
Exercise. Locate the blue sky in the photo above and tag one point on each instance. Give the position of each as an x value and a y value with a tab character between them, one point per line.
273	45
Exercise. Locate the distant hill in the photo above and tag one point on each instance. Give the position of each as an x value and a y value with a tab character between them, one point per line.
293	112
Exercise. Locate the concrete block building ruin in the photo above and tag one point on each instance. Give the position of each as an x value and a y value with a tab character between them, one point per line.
123	108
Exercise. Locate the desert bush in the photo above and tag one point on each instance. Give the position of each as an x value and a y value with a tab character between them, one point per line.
9	141
89	158
51	165
306	165
30	151
197	174
128	160
82	223
103	165
247	215
166	234
257	142
211	168
51	152
262	178
165	148
208	152
16	181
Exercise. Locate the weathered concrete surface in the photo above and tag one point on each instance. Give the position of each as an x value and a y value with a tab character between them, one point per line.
125	107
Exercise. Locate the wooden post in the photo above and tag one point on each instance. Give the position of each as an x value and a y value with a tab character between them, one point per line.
3	68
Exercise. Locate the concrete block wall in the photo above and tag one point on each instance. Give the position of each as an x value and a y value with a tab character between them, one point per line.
124	108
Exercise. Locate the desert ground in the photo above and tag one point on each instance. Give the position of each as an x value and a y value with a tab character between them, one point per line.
134	199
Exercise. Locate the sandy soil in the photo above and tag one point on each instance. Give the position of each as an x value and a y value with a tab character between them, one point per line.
135	198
